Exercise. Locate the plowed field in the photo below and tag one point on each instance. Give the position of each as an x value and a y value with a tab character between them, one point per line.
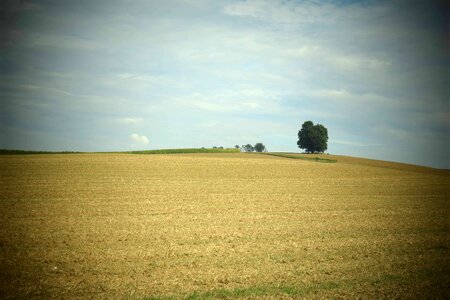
198	226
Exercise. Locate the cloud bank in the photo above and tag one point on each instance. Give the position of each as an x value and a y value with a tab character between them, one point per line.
80	74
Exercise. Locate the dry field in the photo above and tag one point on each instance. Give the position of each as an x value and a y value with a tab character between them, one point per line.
206	226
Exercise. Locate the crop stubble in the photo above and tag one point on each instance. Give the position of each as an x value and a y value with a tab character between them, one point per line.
123	225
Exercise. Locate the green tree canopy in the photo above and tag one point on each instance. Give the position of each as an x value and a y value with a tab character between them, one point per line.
259	147
312	137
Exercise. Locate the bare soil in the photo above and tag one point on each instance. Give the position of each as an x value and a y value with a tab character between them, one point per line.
196	226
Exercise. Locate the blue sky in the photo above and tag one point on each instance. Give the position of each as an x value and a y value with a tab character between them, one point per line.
122	75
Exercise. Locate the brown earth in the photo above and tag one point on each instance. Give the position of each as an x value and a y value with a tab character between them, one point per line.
198	226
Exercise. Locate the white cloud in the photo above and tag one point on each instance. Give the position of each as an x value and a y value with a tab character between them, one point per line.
345	97
139	140
209	124
241	98
292	12
132	121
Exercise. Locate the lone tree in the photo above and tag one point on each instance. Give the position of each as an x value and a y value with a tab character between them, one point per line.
313	138
259	147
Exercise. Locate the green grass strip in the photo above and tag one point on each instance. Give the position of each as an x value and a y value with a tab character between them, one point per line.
160	151
186	150
307	291
254	291
316	159
11	152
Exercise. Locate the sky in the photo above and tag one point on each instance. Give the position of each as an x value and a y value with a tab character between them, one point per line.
116	75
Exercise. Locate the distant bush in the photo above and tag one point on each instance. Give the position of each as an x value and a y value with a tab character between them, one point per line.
259	147
247	148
